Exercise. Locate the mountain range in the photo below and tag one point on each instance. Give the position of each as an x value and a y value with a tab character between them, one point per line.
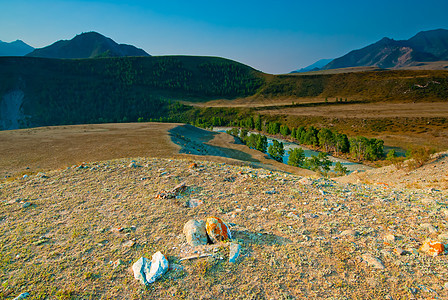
425	50
314	67
425	46
87	45
16	48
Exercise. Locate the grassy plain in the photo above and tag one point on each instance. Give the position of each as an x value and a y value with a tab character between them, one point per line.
28	151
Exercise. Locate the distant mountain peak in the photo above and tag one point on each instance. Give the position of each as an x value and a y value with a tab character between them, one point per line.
16	48
425	46
87	45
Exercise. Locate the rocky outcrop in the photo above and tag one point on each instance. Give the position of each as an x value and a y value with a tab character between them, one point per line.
11	114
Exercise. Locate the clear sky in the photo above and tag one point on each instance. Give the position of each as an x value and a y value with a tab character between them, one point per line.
274	36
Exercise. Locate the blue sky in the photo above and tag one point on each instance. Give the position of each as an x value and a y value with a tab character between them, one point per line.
271	36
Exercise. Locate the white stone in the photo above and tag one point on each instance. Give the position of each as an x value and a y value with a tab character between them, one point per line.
149	271
234	252
159	266
141	268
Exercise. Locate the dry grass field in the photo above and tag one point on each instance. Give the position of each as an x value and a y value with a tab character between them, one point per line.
28	151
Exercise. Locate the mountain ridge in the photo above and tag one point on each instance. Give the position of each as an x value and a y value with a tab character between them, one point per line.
87	45
16	48
387	53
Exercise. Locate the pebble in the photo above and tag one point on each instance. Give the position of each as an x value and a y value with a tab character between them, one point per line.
389	238
349	232
428	227
373	261
26	204
128	244
234	252
117	263
192	203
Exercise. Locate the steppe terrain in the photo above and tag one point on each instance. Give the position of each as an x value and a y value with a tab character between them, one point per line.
29	151
74	232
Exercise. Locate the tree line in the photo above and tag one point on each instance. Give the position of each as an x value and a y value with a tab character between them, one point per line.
330	141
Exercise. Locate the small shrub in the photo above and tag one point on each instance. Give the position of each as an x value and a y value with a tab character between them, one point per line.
419	156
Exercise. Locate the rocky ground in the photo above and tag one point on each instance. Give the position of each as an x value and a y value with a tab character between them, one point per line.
432	175
74	233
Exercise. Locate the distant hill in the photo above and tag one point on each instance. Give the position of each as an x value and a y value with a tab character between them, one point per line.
424	47
16	48
87	45
42	91
314	67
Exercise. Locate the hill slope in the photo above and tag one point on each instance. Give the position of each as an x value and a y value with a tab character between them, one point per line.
76	232
51	91
16	48
87	45
426	46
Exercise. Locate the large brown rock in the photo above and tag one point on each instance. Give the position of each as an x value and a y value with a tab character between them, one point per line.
217	230
195	232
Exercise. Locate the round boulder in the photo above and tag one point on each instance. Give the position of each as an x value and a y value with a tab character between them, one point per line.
195	232
217	230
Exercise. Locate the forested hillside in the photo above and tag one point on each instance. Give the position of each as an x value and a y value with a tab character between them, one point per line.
118	89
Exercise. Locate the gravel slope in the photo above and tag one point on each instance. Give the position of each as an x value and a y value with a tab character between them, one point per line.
300	237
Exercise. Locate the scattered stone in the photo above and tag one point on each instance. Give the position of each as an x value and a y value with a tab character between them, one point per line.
349	232
443	236
399	251
195	232
117	263
305	181
128	244
389	238
149	271
217	230
429	201
373	261
193	202
22	296
234	252
428	227
173	193
294	216
432	248
310	216
271	192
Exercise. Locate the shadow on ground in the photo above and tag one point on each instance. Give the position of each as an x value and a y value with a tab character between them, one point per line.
194	141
